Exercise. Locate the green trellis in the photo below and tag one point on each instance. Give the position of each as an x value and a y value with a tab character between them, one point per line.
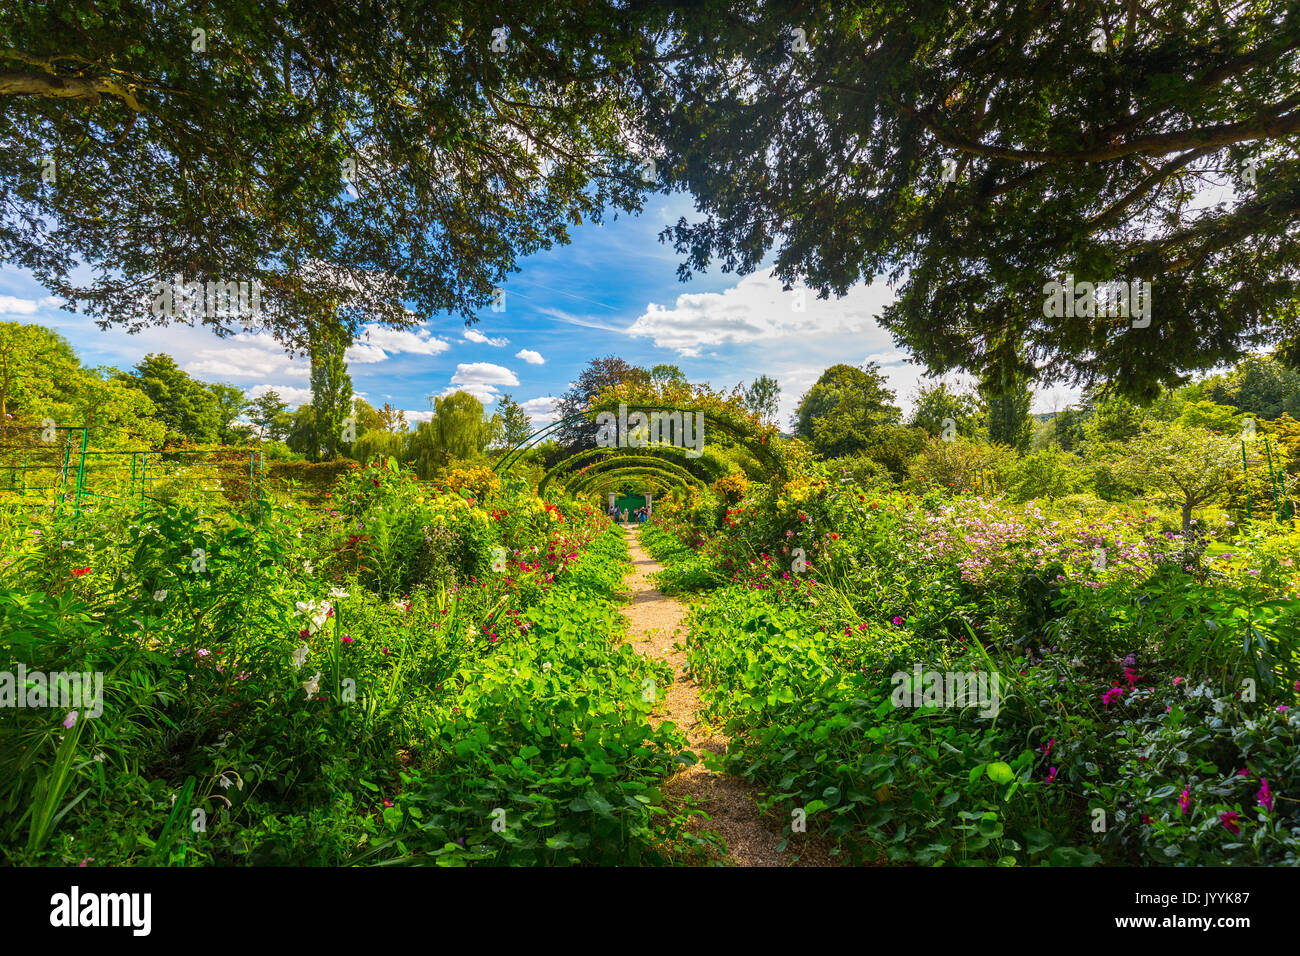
71	464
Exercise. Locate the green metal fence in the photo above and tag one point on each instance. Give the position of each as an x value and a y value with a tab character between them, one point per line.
56	464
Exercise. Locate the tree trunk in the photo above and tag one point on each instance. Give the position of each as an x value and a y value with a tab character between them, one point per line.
1187	517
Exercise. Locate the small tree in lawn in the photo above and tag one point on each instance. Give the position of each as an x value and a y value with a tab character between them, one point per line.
1181	465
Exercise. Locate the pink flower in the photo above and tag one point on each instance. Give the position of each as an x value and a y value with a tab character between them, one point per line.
1265	796
1178	680
1229	820
70	719
1185	801
1051	775
1282	708
898	621
1112	695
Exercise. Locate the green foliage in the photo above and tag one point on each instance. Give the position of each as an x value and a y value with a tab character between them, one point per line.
187	408
846	411
1008	416
331	394
937	407
1046	473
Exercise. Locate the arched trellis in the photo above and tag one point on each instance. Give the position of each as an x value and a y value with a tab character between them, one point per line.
675	477
755	443
588	482
601	458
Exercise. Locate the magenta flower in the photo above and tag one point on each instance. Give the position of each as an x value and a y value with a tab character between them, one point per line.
1051	774
1282	708
1178	680
1265	796
898	620
70	719
1185	801
1229	820
1112	695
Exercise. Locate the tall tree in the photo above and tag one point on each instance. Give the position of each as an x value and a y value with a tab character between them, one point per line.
270	414
1008	414
762	396
185	406
331	393
976	152
323	149
37	368
515	423
846	410
936	405
457	432
599	374
231	403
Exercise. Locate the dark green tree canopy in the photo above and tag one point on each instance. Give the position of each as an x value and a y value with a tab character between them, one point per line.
187	407
974	152
846	411
362	155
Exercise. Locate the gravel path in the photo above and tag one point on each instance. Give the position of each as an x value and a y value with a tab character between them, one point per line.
655	629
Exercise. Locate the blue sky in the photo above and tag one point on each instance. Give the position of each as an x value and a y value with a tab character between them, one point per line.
612	291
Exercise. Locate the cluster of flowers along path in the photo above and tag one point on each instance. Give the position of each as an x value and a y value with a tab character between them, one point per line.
402	672
1132	689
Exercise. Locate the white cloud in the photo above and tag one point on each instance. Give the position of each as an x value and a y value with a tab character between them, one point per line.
12	305
291	395
541	411
474	335
376	343
758	309
531	357
487	394
255	357
483	373
412	417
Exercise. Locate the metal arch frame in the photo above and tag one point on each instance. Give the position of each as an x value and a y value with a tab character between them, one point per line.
668	479
759	449
607	456
624	468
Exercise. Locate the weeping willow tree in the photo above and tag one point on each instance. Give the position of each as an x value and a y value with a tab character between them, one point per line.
457	432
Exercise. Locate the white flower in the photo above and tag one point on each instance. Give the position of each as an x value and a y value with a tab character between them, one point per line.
317	613
99	757
338	593
312	686
546	667
160	595
224	782
65	545
306	566
300	655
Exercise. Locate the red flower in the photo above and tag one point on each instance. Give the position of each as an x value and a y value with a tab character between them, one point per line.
78	572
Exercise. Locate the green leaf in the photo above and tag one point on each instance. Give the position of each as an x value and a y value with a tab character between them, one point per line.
1000	772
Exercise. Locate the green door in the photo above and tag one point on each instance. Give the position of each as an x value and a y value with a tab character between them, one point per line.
631	503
